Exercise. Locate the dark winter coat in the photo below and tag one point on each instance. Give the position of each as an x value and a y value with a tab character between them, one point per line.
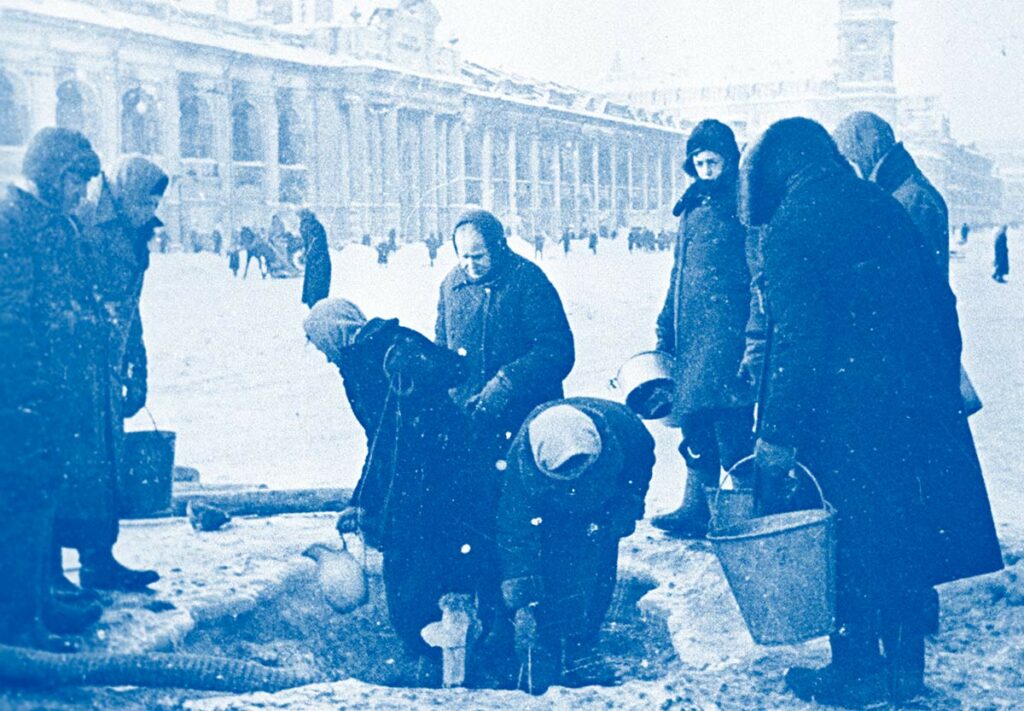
422	505
858	376
898	175
704	319
1002	252
316	281
511	321
558	540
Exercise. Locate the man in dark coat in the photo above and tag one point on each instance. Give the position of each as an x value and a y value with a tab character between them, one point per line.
112	261
415	500
39	313
316	279
703	325
500	312
578	472
1002	260
868	141
859	385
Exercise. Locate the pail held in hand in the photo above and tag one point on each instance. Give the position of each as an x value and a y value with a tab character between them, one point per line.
645	380
781	569
145	479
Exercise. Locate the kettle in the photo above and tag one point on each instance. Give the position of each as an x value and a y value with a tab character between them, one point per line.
342	579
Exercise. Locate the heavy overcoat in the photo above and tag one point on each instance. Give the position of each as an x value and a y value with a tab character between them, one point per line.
422	505
898	175
561	538
858	376
316	280
704	318
510	321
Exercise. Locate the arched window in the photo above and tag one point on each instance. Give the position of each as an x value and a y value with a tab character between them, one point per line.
246	139
12	114
71	106
140	131
290	139
196	127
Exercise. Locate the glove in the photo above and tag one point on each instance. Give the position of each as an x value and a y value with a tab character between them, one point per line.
350	520
752	363
776	481
134	392
492	400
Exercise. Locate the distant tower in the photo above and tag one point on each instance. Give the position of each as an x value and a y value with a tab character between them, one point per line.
865	42
864	68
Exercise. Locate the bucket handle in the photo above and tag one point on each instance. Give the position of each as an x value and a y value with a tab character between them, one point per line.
150	414
749	459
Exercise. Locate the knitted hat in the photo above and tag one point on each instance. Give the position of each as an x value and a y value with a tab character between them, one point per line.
711	135
864	138
561	435
332	325
52	152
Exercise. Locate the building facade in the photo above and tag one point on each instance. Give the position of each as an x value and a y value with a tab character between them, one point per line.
862	80
259	107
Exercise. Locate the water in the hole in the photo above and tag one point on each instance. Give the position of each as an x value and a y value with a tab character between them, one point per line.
299	629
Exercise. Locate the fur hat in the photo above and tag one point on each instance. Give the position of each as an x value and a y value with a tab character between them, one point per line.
864	138
564	441
332	325
711	135
52	152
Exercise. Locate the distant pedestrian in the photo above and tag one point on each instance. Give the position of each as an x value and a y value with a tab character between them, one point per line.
218	241
392	239
367	240
432	245
965	230
1002	262
538	246
383	251
233	261
592	242
566	241
316	279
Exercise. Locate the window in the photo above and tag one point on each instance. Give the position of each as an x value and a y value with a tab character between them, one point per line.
140	131
196	127
70	106
12	115
290	139
246	139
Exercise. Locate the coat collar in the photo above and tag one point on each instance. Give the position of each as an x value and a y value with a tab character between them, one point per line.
894	169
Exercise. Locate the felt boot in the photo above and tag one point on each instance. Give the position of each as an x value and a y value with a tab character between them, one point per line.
692	517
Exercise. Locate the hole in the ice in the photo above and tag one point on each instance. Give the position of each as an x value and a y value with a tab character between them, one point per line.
298	629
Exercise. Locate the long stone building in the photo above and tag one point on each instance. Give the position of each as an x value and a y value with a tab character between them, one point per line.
258	107
862	79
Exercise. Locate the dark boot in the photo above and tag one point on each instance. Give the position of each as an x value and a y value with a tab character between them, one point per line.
102	572
856	676
62	617
930	611
62	588
692	517
904	657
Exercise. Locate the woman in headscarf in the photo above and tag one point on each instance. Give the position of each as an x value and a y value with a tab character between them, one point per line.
859	386
316	278
703	325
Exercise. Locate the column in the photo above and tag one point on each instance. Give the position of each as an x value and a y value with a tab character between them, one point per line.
673	171
457	163
267	107
535	181
576	183
218	97
513	207
629	180
40	97
613	156
556	174
429	182
595	158
486	156
358	174
660	168
390	171
444	185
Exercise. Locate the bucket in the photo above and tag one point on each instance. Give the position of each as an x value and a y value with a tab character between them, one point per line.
144	486
781	569
730	506
646	383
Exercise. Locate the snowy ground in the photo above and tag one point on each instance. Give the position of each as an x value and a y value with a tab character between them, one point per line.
251	403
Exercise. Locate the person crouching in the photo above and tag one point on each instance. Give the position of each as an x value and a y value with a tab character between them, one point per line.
578	471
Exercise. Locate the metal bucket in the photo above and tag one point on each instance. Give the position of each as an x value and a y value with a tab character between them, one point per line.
781	569
144	486
647	385
730	506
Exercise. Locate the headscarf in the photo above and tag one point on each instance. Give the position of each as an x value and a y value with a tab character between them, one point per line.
559	434
489	227
333	325
864	138
138	177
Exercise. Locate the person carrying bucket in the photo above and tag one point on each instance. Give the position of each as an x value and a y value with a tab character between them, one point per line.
860	386
703	325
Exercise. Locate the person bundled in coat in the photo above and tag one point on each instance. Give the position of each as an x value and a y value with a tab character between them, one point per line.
110	267
703	324
415	499
40	369
1002	259
860	386
578	472
316	279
